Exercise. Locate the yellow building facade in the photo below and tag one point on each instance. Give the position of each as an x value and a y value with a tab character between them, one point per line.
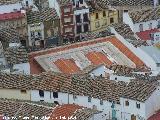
100	19
15	94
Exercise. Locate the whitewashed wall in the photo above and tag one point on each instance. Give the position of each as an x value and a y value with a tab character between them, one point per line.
128	20
120	78
98	71
23	68
127	111
137	51
54	4
153	103
146	25
80	100
30	2
48	97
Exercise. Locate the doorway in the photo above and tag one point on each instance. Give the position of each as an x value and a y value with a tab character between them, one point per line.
133	117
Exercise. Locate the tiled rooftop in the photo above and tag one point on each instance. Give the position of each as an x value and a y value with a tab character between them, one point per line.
100	88
95	34
68	110
13	108
49	13
12	15
8	35
64	2
145	35
106	48
145	15
98	58
16	55
33	17
67	65
156	116
131	2
97	5
2	2
125	31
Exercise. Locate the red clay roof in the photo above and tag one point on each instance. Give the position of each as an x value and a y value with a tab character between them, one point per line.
1	117
145	35
64	110
67	65
12	15
98	58
155	116
35	69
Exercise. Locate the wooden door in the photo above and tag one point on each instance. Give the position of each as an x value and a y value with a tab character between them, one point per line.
133	117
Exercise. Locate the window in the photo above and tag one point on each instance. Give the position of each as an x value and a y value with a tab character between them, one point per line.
66	10
97	24
79	29
104	22
86	28
85	17
74	97
26	3
150	26
127	103
56	102
41	93
55	94
23	91
67	30
89	99
73	2
81	1
141	27
39	34
97	16
104	13
101	102
138	105
159	22
78	18
32	34
111	20
67	20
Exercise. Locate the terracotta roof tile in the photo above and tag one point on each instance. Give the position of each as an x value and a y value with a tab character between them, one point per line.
72	110
12	15
98	58
67	65
145	35
156	116
113	40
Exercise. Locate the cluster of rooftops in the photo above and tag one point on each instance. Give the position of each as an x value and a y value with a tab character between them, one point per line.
100	88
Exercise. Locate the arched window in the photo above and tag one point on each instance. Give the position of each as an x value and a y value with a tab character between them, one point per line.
141	27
